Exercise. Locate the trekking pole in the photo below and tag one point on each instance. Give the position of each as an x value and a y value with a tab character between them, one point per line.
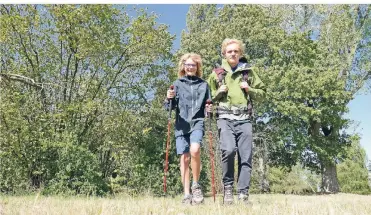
168	141
211	150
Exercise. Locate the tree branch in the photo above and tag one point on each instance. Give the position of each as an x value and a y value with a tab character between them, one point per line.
359	85
23	79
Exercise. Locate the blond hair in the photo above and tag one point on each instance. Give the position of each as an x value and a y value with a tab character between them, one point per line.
196	58
229	41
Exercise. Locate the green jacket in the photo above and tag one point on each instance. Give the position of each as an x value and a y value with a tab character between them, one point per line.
235	96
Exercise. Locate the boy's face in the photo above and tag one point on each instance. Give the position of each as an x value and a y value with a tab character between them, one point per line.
232	54
190	67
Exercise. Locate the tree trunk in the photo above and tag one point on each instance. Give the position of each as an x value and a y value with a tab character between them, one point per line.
330	182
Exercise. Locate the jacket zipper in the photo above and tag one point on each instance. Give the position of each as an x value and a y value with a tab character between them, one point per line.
192	101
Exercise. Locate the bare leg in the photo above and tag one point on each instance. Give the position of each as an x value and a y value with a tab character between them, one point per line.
197	196
195	161
184	171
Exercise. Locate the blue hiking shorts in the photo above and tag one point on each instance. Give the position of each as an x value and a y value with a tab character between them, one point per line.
183	142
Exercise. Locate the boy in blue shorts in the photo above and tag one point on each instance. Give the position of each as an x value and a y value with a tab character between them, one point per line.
189	98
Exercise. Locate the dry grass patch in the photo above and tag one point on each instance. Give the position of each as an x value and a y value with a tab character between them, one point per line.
261	204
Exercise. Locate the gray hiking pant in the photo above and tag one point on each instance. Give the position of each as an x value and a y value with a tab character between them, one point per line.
236	135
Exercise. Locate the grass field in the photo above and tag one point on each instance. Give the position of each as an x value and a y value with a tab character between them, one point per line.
260	204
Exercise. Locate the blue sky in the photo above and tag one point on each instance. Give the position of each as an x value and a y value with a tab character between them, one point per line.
359	109
172	15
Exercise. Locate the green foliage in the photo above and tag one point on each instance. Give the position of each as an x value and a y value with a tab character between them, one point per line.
74	78
296	181
82	88
77	172
352	172
140	166
310	64
353	178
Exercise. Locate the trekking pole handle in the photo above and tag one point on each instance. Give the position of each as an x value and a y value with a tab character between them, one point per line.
209	102
171	101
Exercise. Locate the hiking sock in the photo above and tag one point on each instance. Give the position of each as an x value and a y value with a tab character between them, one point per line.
186	195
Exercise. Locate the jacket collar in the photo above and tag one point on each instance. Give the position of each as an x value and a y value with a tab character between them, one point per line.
240	67
190	79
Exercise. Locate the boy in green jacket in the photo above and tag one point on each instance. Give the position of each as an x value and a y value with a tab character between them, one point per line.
234	86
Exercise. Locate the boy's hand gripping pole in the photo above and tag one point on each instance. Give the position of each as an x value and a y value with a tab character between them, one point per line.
168	141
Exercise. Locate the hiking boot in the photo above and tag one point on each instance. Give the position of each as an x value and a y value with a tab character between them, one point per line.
187	200
243	198
228	195
197	196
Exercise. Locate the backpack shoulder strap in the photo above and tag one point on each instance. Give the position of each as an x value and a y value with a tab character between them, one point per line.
220	73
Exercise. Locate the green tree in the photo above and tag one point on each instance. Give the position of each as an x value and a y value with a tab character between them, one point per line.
74	78
296	180
330	68
352	172
312	66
